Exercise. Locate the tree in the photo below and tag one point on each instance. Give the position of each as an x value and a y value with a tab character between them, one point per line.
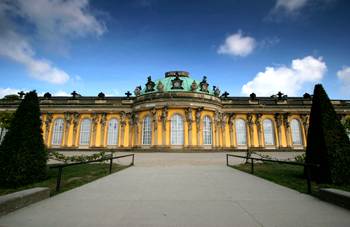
328	144
13	96
22	152
346	124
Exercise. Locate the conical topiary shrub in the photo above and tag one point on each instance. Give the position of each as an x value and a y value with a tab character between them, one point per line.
22	152
327	145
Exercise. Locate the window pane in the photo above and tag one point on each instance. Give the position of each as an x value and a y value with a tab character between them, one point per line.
147	131
113	129
241	132
207	131
177	130
296	132
268	132
57	131
85	131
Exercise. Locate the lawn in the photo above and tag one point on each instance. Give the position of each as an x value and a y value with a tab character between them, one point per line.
72	177
290	176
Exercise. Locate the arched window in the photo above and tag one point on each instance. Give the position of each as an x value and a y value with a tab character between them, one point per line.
177	130
85	131
296	132
207	130
241	132
57	131
113	129
268	132
3	131
147	131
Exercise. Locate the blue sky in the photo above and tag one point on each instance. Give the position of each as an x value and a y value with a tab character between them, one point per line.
110	46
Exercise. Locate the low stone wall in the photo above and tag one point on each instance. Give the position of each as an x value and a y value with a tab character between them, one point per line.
18	200
335	196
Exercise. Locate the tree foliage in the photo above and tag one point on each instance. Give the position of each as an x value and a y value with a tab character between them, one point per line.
13	96
22	152
6	119
328	144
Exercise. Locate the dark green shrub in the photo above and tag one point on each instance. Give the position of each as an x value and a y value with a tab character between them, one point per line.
22	152
328	144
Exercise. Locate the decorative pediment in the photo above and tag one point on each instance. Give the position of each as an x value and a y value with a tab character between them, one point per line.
177	83
150	85
204	85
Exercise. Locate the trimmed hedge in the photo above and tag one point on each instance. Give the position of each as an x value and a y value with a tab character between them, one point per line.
22	152
328	144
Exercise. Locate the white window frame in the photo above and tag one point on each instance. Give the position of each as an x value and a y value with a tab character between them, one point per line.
241	132
295	128
85	132
177	130
207	130
57	133
113	131
147	130
269	132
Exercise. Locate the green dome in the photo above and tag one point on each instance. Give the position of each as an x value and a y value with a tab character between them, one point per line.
186	84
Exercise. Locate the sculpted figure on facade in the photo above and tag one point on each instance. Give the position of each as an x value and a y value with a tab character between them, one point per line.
103	119
155	117
286	120
137	91
250	122
305	119
258	121
136	116
223	121
160	86
278	118
95	117
76	121
48	121
130	122
230	120
122	115
164	117
198	117
189	118
217	119
194	86
68	118
41	119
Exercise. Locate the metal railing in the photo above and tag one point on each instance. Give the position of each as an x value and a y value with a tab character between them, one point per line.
79	163
307	165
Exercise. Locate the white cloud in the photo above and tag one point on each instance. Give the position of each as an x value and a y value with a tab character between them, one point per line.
77	81
237	45
51	21
61	93
293	8
8	91
344	78
288	80
116	91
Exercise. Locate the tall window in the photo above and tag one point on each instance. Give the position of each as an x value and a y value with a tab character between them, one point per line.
296	132
241	132
85	131
177	130
268	132
3	131
57	131
113	129
147	131
207	130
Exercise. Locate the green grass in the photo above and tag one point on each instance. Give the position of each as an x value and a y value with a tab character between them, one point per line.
290	176
72	177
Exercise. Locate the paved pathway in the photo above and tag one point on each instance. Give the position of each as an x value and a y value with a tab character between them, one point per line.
180	196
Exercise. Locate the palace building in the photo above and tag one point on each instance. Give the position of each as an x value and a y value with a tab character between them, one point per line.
176	112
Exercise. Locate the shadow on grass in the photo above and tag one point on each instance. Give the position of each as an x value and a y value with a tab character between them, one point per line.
72	177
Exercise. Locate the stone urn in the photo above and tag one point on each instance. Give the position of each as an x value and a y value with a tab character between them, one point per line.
194	86
217	92
160	86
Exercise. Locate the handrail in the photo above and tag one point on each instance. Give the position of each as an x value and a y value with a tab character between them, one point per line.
307	165
79	163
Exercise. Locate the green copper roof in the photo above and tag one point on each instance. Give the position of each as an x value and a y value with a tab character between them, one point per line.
186	84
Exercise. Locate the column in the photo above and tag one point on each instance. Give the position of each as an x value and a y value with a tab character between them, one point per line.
251	129
305	119
68	119
278	118
76	120
258	125
189	120
286	125
231	125
131	123
95	117
155	125
164	118
136	116
122	115
103	125
217	124
47	129
198	116
223	126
